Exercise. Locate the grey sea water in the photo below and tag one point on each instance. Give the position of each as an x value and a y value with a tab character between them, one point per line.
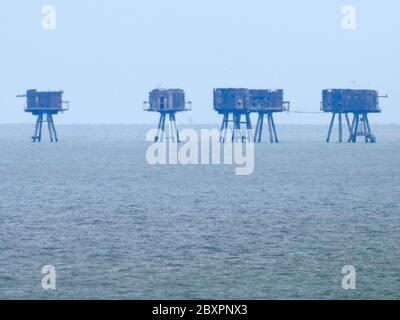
117	228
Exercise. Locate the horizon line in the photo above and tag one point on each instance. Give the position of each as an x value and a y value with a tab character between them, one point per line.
179	124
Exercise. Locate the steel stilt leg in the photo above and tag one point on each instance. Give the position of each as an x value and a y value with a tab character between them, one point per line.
163	127
274	128
348	123
352	128
355	129
236	128
372	138
256	140
35	136
157	138
40	128
249	128
271	138
224	128
331	127
178	140
262	115
54	129
340	128
364	128
171	128
50	127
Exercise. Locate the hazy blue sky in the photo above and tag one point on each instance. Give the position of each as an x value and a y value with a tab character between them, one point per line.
107	55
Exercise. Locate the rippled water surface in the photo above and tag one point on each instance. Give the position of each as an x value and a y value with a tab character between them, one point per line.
117	228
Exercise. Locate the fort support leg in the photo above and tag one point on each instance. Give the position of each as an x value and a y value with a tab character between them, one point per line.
271	138
178	139
39	138
348	123
340	128
39	128
249	128
224	127
173	129
330	128
54	129
163	126
36	134
172	132
157	138
236	128
262	115
260	127
361	128
352	129
274	128
371	136
227	127
50	127
364	129
355	128
257	129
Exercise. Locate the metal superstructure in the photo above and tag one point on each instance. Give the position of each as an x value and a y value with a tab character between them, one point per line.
43	105
345	103
167	102
235	104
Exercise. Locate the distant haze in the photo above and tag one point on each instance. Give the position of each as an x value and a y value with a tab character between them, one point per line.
107	55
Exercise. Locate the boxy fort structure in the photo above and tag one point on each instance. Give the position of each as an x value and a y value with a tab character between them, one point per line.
359	103
41	104
234	104
266	103
228	102
167	102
